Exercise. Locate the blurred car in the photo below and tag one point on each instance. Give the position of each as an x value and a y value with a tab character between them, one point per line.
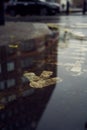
32	7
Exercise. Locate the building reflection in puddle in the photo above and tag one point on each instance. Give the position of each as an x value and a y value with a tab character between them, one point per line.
21	106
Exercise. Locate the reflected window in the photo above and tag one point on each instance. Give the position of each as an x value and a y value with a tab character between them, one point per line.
24	80
2	85
27	62
10	113
17	124
10	127
0	68
28	46
28	92
4	128
10	50
11	98
3	100
3	116
15	110
10	82
10	66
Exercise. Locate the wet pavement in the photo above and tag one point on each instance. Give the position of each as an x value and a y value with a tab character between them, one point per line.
25	74
58	106
67	109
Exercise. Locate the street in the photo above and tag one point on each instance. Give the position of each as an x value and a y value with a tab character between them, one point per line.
67	108
43	81
45	19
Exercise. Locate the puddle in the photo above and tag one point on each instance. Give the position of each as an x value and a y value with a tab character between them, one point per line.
24	67
29	75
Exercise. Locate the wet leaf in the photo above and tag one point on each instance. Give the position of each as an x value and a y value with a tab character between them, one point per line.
44	83
46	74
31	76
13	46
41	81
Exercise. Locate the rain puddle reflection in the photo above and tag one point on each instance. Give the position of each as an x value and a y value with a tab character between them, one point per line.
29	74
27	81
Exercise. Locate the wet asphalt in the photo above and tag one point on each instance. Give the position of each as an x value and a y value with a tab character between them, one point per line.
67	108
